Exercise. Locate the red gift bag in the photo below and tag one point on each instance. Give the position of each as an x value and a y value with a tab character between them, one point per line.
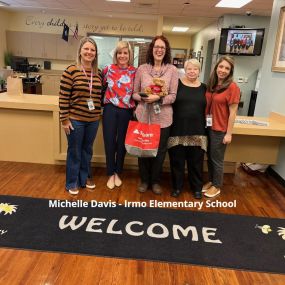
142	139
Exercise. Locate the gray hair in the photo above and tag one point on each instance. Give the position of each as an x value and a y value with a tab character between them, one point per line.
194	62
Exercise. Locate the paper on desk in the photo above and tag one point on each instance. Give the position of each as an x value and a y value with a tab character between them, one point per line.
14	86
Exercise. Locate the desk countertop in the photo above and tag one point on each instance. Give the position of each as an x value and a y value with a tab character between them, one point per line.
29	102
276	126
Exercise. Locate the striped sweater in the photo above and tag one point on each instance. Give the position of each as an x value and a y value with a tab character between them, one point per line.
74	93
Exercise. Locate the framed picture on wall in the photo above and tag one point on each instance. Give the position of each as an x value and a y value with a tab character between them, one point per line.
198	54
278	63
201	60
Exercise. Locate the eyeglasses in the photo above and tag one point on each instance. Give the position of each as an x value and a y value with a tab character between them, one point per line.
159	47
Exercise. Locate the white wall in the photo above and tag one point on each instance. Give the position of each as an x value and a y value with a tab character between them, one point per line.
200	40
245	66
271	95
248	66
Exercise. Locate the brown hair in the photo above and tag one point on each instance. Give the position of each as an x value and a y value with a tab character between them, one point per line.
213	81
167	56
95	61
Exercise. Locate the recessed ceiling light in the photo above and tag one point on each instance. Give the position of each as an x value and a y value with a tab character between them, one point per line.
232	3
180	29
118	0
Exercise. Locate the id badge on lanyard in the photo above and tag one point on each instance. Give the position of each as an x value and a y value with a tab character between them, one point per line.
209	120
209	117
90	102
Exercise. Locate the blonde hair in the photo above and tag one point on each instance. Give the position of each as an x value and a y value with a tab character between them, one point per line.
95	61
120	45
194	62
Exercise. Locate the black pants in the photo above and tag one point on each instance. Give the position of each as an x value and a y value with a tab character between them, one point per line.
115	125
150	168
216	154
194	157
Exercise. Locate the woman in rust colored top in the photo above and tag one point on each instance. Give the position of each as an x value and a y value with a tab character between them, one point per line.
222	104
155	108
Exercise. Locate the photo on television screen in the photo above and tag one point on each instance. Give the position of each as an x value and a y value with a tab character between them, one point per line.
241	41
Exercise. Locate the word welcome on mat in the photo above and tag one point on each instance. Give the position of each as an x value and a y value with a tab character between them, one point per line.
209	239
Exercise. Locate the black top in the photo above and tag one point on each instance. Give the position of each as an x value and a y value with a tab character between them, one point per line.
189	111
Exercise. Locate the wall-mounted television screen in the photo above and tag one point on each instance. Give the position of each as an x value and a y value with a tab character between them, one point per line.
241	41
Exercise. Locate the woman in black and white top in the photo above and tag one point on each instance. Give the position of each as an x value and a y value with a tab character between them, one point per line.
188	140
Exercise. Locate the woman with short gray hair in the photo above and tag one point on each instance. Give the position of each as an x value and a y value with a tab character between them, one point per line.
188	140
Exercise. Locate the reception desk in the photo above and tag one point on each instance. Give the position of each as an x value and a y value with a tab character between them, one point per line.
31	132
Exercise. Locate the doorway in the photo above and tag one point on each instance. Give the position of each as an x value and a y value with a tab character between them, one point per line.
209	60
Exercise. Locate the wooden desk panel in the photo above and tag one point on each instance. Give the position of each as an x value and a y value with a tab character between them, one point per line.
255	149
25	118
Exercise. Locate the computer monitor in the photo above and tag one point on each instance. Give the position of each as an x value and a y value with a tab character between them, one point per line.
20	64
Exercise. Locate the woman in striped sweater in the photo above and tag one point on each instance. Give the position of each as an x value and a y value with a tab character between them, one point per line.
80	109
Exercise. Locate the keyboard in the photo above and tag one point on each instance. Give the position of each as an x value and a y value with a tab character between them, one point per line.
251	122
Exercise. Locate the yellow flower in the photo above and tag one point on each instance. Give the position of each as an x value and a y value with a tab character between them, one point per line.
7	208
281	232
265	229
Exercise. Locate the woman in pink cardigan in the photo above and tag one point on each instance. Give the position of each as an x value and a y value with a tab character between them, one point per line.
154	107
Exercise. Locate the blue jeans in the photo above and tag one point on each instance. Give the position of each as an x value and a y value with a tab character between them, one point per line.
79	153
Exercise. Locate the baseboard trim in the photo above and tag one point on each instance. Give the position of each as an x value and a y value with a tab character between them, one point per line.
274	174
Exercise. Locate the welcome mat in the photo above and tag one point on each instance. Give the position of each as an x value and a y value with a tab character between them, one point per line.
93	228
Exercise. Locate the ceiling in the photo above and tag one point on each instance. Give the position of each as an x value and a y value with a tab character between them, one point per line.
197	14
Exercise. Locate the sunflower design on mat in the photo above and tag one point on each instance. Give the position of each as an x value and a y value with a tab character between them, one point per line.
281	232
265	229
7	208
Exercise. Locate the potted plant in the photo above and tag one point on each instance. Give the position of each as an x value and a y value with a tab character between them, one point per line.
8	59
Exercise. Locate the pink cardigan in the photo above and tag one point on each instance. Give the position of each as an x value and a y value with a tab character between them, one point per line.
144	76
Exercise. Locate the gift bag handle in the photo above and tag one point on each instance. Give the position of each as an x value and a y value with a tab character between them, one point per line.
146	106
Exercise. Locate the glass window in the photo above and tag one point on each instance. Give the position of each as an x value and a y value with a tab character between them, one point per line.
106	45
139	46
